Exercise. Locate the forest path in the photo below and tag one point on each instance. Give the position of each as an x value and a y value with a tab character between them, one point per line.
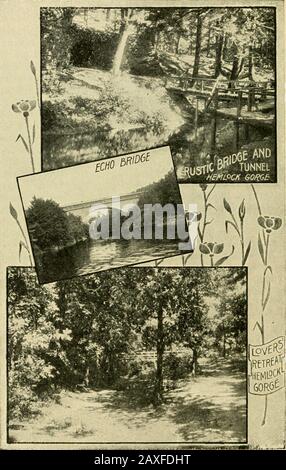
208	408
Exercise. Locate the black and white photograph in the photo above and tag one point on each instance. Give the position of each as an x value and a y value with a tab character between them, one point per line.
200	79
107	214
135	355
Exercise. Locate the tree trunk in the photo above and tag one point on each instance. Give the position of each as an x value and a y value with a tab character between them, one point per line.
62	301
198	45
191	46
209	40
250	64
218	55
86	377
195	361
237	66
159	358
224	48
178	43
223	342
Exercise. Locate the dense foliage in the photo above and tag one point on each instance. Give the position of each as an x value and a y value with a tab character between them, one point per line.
227	41
110	73
51	227
97	330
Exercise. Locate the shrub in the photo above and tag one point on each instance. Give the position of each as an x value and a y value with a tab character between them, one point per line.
176	367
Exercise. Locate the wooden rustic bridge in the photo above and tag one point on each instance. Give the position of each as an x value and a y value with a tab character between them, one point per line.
246	101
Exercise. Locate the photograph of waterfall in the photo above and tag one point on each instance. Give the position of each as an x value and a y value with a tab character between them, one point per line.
200	79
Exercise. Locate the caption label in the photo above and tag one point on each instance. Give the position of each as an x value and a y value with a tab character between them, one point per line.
267	367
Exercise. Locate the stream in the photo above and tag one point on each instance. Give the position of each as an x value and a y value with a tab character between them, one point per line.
192	144
98	255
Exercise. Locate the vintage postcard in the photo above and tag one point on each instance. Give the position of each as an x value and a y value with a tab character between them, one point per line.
142	265
103	215
202	80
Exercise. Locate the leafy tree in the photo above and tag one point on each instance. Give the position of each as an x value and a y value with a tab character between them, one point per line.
166	299
34	343
77	228
230	321
85	332
48	223
50	226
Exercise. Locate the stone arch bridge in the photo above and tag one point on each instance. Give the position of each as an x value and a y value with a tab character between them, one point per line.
87	210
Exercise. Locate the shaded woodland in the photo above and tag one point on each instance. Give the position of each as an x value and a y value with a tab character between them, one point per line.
120	80
136	330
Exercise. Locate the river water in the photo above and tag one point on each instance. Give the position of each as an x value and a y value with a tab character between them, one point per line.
191	145
92	256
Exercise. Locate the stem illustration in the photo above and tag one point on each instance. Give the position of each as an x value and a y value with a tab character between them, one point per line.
239	228
24	244
205	220
29	141
268	224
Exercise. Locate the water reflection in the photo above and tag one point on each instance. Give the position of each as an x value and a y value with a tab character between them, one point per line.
64	150
191	145
217	138
91	256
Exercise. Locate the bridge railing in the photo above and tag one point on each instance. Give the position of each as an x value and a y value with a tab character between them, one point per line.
205	84
249	94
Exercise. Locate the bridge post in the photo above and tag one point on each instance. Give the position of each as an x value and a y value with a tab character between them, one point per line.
251	98
264	91
196	117
215	98
239	102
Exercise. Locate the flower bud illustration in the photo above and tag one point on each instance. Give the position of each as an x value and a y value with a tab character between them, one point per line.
241	210
227	206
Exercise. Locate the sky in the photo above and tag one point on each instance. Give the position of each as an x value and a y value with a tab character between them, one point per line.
81	183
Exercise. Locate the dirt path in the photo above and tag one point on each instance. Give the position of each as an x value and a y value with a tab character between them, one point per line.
209	408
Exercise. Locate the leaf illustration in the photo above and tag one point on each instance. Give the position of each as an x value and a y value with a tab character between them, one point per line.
227	206
21	246
247	251
210	205
24	142
268	269
186	258
224	258
204	249
264	237
241	210
33	68
258	326
34	132
260	248
227	222
267	296
209	222
13	212
158	261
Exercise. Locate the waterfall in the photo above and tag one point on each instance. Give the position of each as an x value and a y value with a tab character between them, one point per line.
120	50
